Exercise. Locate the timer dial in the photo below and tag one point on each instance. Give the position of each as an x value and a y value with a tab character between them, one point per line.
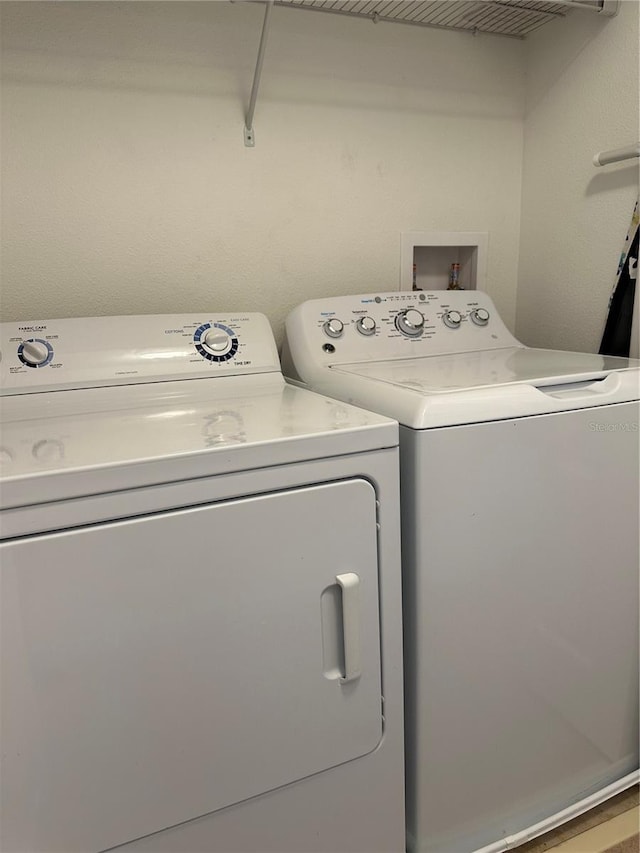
215	342
35	352
410	322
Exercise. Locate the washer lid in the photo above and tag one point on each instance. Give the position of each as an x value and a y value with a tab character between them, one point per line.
63	444
485	368
484	385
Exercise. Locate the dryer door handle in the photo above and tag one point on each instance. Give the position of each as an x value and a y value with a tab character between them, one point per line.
349	584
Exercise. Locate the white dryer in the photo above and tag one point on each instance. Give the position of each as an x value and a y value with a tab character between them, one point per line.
519	497
201	597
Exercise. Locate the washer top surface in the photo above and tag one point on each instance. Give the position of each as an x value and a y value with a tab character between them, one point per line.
109	407
442	358
486	368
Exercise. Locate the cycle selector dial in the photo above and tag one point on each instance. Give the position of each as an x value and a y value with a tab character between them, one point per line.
410	322
366	326
35	352
215	342
452	319
333	328
480	316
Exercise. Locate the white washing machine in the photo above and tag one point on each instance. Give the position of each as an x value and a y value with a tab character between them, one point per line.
519	496
201	597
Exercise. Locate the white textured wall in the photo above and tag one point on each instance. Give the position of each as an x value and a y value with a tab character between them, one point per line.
582	97
126	186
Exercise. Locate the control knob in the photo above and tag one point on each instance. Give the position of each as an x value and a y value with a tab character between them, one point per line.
217	340
334	327
410	322
480	316
366	326
34	352
452	319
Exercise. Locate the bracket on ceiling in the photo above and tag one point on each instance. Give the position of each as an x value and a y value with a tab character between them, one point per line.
249	134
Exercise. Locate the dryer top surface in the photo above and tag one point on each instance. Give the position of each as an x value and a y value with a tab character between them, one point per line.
139	410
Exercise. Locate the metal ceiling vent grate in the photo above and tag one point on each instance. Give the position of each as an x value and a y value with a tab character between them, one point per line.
515	18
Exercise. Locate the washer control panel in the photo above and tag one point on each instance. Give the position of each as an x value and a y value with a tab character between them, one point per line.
86	352
348	329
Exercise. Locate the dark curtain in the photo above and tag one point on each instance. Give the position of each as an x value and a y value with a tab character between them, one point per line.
616	339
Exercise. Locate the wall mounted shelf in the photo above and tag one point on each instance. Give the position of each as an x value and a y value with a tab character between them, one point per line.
512	18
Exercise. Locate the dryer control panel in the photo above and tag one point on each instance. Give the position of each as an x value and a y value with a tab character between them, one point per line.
377	327
50	355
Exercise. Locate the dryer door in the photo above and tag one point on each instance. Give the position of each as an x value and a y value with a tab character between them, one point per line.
160	668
